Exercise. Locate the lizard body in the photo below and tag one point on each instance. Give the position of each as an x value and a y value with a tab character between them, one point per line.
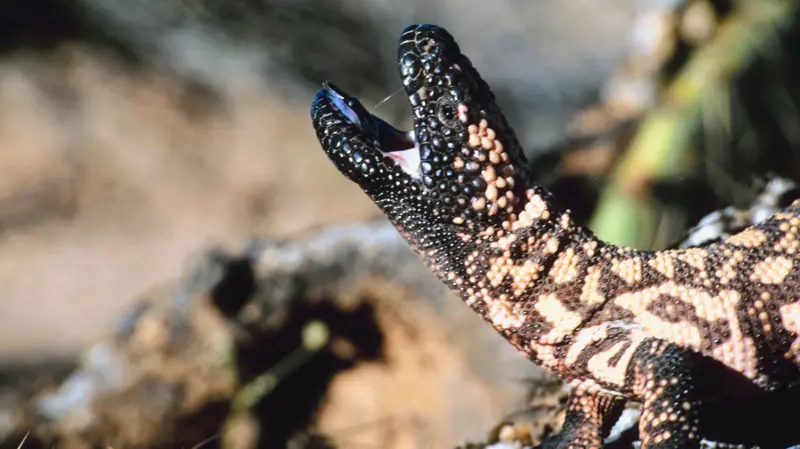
672	329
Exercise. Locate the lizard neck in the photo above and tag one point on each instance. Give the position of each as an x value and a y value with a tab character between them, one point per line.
535	278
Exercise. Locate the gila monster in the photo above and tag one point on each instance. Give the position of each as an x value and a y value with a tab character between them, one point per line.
674	330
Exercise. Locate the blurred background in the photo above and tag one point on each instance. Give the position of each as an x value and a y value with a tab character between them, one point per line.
142	142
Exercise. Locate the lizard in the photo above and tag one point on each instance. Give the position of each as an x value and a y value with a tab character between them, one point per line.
674	330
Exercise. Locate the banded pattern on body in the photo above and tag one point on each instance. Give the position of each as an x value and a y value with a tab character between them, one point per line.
616	323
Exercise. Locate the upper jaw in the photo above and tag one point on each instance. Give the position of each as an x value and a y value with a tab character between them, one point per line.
426	54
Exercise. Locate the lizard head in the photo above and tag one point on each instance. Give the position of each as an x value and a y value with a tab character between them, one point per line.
456	186
460	170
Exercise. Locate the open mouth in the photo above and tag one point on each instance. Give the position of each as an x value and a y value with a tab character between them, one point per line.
461	163
399	146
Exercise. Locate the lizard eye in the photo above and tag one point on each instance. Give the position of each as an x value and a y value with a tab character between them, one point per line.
446	112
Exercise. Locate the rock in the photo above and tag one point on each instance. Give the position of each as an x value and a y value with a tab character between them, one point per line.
343	331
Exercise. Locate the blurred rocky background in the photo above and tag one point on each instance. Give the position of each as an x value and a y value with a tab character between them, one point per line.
170	230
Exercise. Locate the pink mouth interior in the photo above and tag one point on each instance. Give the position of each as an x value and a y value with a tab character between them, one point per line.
408	160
